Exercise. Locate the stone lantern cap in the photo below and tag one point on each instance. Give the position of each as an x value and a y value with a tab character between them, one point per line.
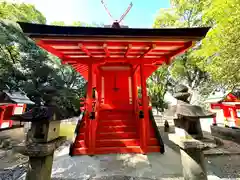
187	110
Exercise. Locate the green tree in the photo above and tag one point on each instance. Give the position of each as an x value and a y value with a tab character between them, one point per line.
75	23
24	65
220	49
158	84
58	23
185	13
21	12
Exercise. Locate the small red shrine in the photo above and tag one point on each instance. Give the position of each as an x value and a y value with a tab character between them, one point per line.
227	108
115	61
11	102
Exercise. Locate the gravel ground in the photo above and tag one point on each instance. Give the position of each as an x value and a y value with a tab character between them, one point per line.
13	173
224	166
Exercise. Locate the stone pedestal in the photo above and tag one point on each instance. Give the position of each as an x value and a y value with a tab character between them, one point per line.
40	158
40	168
193	164
192	157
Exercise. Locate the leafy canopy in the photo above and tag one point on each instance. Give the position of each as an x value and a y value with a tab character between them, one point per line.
220	49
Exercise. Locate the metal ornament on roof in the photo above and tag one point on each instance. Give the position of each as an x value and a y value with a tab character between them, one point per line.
116	23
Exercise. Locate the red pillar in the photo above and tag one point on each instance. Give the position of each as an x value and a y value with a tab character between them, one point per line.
89	109
145	120
135	95
99	85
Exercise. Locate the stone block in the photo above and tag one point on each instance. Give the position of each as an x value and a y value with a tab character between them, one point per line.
182	133
226	133
185	143
193	164
40	168
39	149
45	132
192	157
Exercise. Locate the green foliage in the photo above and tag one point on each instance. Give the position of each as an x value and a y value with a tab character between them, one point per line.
75	23
157	86
220	49
21	12
58	23
166	18
24	65
185	13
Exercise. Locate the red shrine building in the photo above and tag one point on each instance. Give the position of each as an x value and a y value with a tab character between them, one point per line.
227	108
115	62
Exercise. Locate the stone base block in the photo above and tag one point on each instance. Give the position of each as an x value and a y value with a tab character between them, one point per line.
193	164
226	133
185	143
40	168
39	149
192	157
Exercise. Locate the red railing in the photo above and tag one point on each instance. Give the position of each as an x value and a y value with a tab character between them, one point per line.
91	123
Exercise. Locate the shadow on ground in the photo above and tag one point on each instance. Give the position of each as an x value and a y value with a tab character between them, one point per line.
166	140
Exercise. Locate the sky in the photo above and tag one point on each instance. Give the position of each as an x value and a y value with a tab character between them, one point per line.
141	15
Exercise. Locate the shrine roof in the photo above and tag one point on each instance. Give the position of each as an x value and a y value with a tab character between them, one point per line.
43	31
80	46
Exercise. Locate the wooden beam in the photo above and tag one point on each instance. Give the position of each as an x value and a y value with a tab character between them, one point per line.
118	38
50	49
128	50
179	51
75	42
83	69
149	50
93	50
106	50
84	49
76	65
145	120
114	60
135	69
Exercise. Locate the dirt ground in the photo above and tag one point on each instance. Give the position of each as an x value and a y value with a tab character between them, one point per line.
119	166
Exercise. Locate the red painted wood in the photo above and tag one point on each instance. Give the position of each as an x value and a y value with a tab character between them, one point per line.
69	42
116	135
129	122
6	111
123	128
112	51
110	138
80	151
117	127
117	143
145	121
99	60
91	141
116	89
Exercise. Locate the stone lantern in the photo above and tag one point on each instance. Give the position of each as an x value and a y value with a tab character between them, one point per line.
188	134
43	139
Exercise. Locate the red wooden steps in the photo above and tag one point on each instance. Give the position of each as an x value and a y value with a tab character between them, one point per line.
117	142
113	123
112	150
122	128
116	133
